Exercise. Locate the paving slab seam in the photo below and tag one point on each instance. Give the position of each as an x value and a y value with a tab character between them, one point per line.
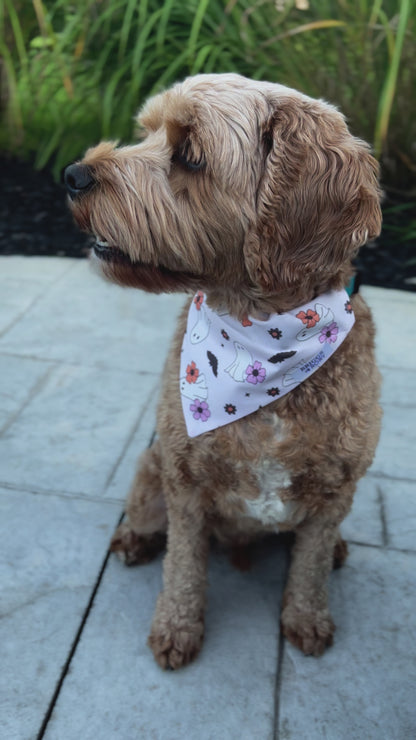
36	300
79	496
130	437
39	596
386	366
391	478
74	646
69	363
397	404
383	548
384	528
278	687
78	635
280	656
38	386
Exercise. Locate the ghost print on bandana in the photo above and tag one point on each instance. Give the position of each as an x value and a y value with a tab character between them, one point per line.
231	368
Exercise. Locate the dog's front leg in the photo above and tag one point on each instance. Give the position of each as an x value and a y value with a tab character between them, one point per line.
178	625
306	621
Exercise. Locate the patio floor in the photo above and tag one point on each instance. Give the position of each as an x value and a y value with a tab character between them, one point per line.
78	364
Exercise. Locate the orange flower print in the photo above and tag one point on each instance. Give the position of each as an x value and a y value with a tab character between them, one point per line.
198	300
246	321
310	318
192	373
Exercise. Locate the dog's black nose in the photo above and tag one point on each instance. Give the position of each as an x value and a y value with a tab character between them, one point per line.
78	179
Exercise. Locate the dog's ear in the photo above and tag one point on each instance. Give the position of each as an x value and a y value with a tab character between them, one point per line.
317	200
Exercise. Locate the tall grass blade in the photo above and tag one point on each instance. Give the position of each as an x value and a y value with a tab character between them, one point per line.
17	32
164	19
196	27
126	28
389	87
143	37
13	107
314	26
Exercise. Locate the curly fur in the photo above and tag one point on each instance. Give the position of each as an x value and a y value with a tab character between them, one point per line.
260	197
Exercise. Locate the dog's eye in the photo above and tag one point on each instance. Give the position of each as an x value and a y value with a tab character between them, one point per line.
188	158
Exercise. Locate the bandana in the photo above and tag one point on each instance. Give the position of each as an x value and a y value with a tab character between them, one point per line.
231	368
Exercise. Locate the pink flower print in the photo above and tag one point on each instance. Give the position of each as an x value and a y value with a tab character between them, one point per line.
255	373
200	410
198	300
310	318
329	333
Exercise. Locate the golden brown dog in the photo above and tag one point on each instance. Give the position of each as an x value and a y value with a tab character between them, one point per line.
258	196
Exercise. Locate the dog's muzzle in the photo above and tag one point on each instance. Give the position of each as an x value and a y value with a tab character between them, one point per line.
78	180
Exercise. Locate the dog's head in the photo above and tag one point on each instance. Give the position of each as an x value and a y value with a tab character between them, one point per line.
251	191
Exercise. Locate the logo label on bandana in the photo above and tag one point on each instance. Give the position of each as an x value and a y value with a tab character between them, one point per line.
231	368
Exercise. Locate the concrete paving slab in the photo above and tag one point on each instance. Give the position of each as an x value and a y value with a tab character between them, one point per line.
364	686
23	280
78	430
394	314
52	550
119	486
69	437
116	690
20	379
34	269
86	321
364	522
399	498
399	388
395	455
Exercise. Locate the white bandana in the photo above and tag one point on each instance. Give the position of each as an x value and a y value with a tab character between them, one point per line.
231	368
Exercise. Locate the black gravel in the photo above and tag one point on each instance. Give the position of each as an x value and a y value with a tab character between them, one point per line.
34	220
34	216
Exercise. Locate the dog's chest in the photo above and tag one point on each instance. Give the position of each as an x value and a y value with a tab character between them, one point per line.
269	508
264	483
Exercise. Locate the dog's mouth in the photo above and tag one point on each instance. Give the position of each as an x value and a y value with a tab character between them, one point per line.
141	274
109	252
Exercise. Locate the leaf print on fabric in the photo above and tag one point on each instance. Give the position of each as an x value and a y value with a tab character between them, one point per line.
200	410
213	361
281	356
225	335
255	373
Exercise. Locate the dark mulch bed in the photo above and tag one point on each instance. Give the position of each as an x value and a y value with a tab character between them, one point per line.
34	220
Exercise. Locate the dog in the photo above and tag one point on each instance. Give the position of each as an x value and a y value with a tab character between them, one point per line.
253	198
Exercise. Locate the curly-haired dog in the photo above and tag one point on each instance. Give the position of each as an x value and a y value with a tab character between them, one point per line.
254	198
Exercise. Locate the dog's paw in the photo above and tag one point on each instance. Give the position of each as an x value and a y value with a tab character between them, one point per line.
174	647
135	549
310	631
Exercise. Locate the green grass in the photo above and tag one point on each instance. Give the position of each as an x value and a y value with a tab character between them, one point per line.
75	72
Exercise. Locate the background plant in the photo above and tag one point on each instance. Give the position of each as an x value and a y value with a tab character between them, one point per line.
74	72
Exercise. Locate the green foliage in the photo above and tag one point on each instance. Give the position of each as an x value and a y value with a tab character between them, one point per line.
75	72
